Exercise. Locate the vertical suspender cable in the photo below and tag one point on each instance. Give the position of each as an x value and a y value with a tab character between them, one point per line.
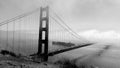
32	47
13	36
19	36
28	39
26	49
32	41
7	38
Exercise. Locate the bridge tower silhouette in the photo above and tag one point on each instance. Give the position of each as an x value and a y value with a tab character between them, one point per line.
25	29
43	33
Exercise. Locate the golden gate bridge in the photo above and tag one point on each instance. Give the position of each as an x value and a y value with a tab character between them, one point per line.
32	34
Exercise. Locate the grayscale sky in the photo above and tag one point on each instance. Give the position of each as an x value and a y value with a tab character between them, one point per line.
89	18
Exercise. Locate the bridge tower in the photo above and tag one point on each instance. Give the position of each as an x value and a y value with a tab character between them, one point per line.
43	33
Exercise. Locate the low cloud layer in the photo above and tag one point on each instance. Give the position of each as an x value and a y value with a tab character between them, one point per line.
101	36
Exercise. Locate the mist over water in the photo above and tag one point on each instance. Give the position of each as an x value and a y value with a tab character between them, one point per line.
108	59
97	54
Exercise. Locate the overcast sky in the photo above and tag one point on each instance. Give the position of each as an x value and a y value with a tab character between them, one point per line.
83	16
92	18
91	14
